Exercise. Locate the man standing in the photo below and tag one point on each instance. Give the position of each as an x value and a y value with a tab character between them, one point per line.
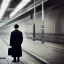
16	40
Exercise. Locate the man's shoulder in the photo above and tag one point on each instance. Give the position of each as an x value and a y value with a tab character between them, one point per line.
20	31
16	31
13	31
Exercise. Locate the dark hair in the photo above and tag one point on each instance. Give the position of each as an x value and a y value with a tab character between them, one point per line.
16	26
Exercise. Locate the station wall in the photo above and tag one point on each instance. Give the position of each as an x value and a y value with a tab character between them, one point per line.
53	26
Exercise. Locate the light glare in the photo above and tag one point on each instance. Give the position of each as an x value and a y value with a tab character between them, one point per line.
20	6
4	5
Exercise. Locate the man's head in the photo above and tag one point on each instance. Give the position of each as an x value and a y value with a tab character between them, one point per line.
16	26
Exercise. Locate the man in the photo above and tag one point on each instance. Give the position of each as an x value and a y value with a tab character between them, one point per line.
16	40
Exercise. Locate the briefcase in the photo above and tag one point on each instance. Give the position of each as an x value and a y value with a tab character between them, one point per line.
9	51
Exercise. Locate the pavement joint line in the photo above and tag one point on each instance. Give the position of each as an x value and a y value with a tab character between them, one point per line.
5	53
30	53
2	58
7	58
37	57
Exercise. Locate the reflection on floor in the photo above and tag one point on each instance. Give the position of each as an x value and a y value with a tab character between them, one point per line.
5	59
51	53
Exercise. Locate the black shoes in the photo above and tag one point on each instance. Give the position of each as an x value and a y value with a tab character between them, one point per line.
15	61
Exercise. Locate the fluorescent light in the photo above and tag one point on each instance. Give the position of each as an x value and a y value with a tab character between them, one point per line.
4	5
20	6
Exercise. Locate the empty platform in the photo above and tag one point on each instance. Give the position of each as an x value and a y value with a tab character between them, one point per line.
49	53
25	59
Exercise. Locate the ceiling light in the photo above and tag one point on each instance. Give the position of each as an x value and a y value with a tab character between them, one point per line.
4	6
20	6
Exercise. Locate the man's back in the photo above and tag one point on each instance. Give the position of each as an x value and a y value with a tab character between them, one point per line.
16	37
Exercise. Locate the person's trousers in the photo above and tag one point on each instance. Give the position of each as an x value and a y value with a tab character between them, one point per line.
15	59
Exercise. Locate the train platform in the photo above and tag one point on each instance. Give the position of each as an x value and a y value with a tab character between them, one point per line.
25	59
49	53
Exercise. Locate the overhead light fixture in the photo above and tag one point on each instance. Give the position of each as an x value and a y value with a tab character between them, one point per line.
20	6
4	6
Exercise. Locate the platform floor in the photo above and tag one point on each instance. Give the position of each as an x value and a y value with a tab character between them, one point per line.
51	52
5	59
48	52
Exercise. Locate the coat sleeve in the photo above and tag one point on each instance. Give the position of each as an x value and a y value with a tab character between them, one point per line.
11	40
21	38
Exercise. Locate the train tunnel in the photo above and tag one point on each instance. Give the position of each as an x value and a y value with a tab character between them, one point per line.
41	23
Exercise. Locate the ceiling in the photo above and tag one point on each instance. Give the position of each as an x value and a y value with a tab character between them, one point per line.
10	8
14	3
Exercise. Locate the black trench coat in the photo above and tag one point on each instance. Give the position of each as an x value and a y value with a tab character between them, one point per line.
16	40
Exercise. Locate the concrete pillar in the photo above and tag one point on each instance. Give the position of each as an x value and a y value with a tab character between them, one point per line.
42	27
34	22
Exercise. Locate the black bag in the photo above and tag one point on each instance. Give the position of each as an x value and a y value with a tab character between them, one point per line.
9	51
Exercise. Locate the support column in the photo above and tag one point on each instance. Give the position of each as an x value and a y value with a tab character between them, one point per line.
42	28
34	22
